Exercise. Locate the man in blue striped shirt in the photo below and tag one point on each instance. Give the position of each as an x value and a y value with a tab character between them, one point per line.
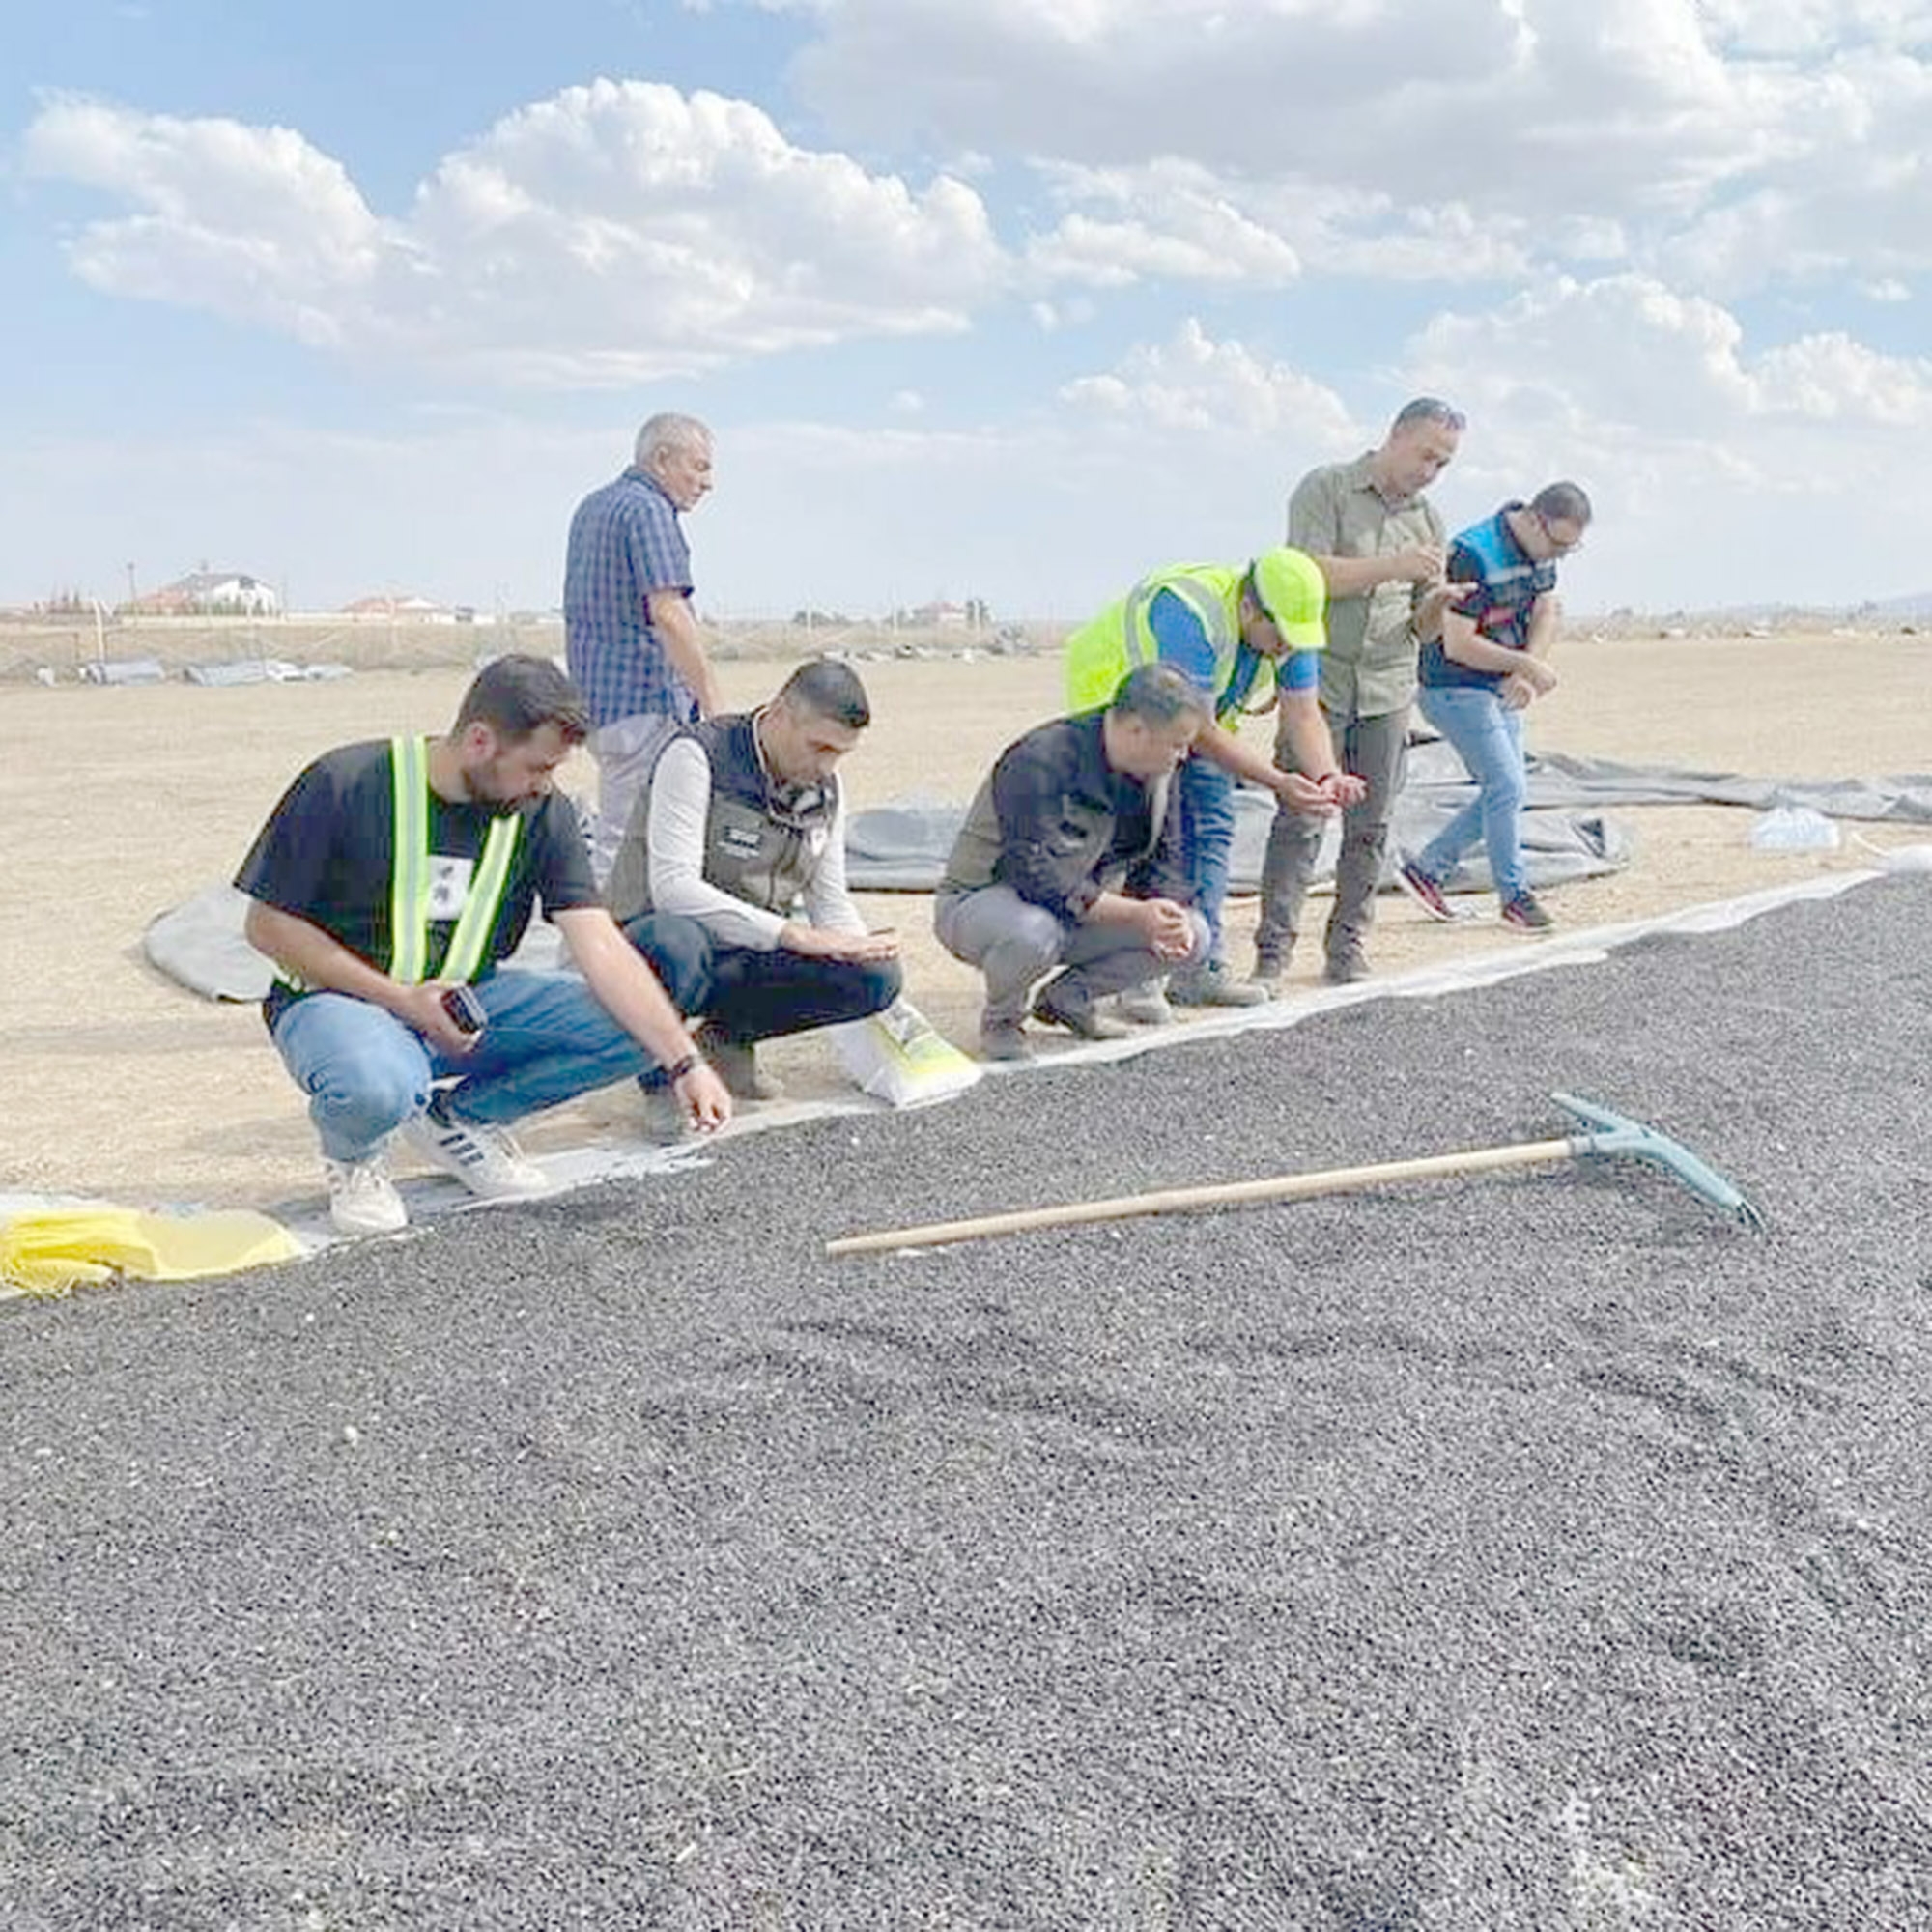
630	635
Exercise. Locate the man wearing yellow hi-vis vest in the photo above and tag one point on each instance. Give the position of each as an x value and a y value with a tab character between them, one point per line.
1236	629
388	886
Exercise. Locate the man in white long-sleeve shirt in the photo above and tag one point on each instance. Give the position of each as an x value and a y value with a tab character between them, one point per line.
740	830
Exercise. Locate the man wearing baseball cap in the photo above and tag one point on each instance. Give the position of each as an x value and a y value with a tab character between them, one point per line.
1239	631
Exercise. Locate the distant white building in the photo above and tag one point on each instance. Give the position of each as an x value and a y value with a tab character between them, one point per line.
211	593
942	616
393	606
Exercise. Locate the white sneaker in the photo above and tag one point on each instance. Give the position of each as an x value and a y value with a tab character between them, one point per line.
362	1200
484	1158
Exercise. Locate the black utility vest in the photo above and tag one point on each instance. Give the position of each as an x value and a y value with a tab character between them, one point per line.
762	843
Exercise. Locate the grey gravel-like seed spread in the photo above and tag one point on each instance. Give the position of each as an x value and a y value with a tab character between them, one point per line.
1533	1550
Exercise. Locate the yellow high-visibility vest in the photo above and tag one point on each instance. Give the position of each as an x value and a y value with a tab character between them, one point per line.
410	880
1101	653
410	876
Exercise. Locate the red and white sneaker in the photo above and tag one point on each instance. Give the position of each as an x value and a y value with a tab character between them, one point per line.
1424	891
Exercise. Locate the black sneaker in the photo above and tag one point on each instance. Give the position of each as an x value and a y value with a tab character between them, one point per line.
1524	913
1070	1005
1002	1040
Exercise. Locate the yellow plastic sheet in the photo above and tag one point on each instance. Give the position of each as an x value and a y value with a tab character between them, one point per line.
46	1251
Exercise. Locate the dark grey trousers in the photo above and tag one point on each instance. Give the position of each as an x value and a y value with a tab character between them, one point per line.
1372	749
1017	945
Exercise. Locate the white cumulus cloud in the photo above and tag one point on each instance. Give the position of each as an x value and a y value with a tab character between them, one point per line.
254	222
613	233
1195	384
1742	142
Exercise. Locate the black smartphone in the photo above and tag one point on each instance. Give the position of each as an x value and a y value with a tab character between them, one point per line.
465	1008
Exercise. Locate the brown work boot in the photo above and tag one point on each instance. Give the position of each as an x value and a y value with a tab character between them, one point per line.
737	1065
1270	970
1214	985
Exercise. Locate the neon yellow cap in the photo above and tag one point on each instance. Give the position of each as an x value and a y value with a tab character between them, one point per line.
1290	587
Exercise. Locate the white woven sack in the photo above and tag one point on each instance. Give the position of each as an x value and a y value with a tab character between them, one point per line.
899	1057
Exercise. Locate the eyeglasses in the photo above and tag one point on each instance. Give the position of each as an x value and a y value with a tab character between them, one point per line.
1562	545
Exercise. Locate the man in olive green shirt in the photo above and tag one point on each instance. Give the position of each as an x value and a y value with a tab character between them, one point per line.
1382	548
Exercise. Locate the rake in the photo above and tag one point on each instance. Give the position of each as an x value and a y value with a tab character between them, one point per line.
1609	1136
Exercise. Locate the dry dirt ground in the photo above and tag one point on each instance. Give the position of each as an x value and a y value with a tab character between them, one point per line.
121	803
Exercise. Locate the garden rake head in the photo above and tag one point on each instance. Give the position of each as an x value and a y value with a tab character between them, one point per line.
1616	1136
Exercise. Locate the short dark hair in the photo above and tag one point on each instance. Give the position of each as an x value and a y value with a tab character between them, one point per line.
828	689
1565	500
517	696
1428	408
1160	694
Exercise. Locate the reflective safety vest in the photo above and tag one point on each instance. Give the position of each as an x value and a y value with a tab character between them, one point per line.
1100	654
410	879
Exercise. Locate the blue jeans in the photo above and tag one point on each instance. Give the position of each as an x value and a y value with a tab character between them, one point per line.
548	1040
1205	797
1488	737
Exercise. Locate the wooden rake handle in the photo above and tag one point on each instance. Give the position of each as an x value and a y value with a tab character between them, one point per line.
1231	1194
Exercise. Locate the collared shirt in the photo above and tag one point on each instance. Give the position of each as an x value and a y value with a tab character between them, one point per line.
626	541
1369	668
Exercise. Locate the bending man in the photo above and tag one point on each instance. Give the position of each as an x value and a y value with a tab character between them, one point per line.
1233	628
389	884
1070	857
739	839
1491	663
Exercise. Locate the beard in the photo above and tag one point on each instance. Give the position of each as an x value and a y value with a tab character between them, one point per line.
483	787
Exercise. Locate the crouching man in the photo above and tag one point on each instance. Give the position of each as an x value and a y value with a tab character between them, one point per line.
1071	858
736	846
389	884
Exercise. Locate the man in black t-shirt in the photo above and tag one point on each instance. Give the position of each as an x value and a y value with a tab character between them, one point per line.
389	884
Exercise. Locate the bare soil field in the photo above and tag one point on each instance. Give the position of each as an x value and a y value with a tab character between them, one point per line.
123	802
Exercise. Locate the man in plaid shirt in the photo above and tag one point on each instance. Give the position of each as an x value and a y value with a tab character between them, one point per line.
631	638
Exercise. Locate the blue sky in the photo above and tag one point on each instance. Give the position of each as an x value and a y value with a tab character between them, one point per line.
983	297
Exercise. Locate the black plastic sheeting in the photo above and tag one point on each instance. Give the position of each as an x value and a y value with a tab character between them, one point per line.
903	846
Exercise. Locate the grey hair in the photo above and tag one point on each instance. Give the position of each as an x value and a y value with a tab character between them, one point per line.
1564	500
1160	694
666	432
1428	409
